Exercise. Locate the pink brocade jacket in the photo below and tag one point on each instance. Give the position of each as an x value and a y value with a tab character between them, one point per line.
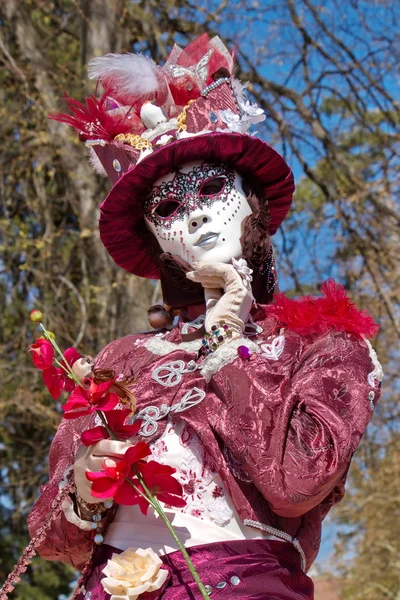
280	427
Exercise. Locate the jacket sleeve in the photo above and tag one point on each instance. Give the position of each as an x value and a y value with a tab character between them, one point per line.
69	539
295	430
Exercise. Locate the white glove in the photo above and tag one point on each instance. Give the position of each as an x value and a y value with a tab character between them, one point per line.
231	305
91	458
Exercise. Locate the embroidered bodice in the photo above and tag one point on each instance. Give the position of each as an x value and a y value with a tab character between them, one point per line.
208	516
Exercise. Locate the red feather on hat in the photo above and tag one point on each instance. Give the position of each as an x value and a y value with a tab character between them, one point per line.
95	120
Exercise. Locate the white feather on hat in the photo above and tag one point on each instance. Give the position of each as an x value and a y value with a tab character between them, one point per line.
135	76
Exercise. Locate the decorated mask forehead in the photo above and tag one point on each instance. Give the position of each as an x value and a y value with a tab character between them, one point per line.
200	186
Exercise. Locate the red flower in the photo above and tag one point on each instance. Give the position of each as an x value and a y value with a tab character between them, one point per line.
56	379
85	401
71	355
53	379
116	421
158	479
109	482
42	353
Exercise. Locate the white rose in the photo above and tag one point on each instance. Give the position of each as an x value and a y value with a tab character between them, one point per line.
132	573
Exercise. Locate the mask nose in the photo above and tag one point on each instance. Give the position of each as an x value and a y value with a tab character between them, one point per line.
195	222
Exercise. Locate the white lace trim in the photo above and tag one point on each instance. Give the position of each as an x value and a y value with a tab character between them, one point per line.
283	536
162	347
377	373
225	355
72	517
202	488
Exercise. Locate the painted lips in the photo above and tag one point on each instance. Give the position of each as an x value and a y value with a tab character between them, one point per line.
207	239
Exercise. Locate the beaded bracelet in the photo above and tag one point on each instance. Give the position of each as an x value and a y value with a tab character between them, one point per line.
93	512
217	335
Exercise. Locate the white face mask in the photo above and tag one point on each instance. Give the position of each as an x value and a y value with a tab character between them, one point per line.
197	212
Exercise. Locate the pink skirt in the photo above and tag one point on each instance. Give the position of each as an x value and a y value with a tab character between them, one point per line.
245	570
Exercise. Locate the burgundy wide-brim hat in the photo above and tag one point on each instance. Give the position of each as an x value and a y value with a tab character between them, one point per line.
121	213
151	120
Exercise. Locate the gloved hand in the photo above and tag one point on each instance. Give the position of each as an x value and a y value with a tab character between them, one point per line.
228	296
91	458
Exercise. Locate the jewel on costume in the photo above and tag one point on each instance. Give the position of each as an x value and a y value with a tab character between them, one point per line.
244	352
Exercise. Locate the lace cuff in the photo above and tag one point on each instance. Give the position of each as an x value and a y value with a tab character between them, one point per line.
224	355
71	516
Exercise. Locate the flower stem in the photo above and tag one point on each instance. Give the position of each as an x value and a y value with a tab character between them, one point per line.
63	363
106	425
153	500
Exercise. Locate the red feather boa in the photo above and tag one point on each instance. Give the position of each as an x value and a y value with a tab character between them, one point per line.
334	310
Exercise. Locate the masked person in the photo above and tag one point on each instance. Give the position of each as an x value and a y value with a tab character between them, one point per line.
258	404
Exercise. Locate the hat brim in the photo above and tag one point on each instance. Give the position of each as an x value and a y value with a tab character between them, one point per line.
121	212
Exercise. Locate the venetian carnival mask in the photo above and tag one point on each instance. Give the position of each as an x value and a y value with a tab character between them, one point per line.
196	213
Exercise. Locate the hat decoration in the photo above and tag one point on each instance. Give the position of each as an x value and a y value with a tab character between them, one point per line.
145	106
152	119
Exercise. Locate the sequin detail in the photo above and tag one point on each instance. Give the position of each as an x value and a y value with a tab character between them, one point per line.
185	189
116	165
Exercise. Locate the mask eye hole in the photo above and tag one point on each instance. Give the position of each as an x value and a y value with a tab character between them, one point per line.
167	208
212	187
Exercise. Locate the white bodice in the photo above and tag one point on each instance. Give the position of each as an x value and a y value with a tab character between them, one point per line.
208	516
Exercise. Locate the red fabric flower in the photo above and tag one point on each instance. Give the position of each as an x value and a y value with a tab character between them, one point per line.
335	311
116	421
85	401
42	354
56	379
109	482
158	479
113	480
53	379
71	355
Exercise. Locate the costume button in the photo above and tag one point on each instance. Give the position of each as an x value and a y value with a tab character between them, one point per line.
371	395
97	518
98	539
221	585
208	589
235	580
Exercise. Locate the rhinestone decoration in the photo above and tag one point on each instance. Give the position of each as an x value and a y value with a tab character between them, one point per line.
116	165
214	85
235	580
98	539
221	585
371	395
244	352
208	589
213	117
88	595
185	188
